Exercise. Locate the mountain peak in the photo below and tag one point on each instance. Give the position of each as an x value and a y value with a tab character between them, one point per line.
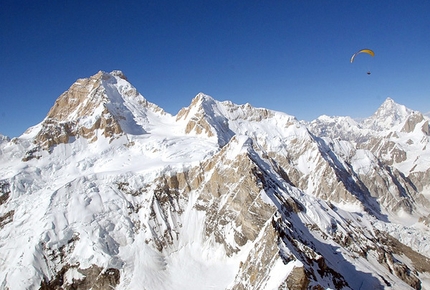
202	101
102	75
203	97
388	115
389	100
105	104
390	107
204	116
118	73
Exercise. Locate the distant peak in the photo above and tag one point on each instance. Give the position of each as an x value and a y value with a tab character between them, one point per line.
388	115
390	106
389	100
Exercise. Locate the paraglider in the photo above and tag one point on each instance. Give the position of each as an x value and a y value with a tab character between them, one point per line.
366	50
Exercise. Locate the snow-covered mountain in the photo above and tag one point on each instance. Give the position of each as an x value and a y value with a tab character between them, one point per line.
110	191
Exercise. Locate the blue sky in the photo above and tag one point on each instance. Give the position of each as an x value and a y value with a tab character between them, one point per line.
290	56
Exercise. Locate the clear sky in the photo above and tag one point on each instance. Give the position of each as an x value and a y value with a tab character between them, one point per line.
291	56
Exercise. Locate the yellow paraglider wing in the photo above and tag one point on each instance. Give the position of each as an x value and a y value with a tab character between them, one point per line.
368	51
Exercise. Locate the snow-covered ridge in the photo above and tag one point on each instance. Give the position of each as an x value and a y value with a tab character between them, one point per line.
111	191
223	120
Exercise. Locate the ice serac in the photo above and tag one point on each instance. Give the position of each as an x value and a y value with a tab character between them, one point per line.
115	193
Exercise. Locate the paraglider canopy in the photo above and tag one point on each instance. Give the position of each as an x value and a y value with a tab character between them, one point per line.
366	50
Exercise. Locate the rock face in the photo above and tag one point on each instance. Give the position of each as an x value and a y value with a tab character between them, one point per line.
109	191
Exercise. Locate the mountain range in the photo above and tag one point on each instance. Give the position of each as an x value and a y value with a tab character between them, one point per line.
110	191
